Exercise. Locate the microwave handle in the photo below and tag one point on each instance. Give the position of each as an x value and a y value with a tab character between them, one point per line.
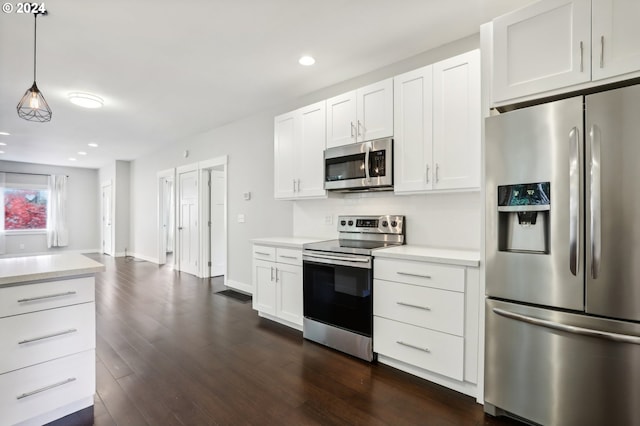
366	163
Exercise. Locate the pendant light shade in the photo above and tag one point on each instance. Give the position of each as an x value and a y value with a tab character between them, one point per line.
33	106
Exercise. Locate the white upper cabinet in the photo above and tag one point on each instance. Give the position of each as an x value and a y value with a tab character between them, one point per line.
541	47
299	143
457	122
615	37
361	115
437	126
413	130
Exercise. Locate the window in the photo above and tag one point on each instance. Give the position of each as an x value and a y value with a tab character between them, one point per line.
25	198
25	209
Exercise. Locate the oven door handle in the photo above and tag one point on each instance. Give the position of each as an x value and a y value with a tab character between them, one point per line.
358	262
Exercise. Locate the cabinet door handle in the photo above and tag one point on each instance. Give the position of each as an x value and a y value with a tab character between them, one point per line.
276	274
427	174
601	51
409	345
48	336
359	132
48	296
352	130
409	274
437	173
46	388
294	185
272	273
298	185
411	305
581	56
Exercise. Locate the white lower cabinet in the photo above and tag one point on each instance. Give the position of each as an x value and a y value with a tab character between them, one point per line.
426	320
47	350
277	284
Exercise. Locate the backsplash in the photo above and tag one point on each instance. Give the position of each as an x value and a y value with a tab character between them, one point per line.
446	220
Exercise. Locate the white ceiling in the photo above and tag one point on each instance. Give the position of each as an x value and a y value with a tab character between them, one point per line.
171	69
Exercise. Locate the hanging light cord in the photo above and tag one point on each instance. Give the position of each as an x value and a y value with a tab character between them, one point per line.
35	34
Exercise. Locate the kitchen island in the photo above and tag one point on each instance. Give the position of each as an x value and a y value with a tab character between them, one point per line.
47	337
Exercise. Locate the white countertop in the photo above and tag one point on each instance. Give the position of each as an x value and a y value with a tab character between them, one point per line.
15	270
431	254
292	242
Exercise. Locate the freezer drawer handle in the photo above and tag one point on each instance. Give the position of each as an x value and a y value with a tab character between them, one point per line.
48	336
411	305
46	388
48	296
616	337
409	345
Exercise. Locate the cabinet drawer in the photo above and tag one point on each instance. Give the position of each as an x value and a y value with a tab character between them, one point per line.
420	273
431	350
439	310
289	256
33	391
41	336
46	295
264	253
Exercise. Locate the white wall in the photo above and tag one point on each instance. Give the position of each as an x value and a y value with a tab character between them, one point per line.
83	208
249	145
122	206
440	220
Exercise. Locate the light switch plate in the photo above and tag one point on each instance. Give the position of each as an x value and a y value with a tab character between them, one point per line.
240	218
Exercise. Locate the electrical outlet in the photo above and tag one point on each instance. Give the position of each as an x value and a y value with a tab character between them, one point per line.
328	219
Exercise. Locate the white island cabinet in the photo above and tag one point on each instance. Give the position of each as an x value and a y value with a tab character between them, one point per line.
277	279
47	337
426	313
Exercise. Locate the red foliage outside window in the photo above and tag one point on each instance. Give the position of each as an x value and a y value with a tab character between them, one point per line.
25	209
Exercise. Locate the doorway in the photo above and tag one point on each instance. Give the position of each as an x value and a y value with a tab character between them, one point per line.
166	216
214	214
188	235
107	218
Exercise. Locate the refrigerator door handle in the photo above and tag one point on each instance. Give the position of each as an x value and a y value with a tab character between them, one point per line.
574	200
616	337
595	201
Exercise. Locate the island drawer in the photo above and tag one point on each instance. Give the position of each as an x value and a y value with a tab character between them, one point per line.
21	299
41	336
36	390
436	309
264	253
431	350
446	277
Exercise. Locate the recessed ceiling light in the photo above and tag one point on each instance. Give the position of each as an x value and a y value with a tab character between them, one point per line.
3	144
86	100
1	152
306	60
72	159
5	133
93	145
82	153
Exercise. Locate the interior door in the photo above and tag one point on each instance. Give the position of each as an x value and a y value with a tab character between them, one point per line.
217	229
188	223
107	220
612	203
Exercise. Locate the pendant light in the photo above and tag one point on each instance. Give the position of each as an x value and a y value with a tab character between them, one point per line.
33	106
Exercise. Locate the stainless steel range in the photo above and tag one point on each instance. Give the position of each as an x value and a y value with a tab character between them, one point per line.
338	282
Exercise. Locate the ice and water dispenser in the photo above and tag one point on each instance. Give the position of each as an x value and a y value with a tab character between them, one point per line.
523	217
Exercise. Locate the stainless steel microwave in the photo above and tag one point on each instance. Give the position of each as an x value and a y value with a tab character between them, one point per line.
359	167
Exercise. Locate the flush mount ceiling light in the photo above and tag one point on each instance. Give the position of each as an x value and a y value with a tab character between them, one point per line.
306	60
32	106
5	133
85	100
93	145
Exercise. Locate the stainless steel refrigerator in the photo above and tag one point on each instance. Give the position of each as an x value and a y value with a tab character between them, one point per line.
563	261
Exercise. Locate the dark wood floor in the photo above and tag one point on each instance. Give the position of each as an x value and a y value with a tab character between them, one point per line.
172	352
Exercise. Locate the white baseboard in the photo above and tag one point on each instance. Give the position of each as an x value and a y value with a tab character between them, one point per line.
247	288
142	257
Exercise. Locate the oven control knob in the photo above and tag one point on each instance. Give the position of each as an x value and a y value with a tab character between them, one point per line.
385	223
394	223
343	222
350	223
